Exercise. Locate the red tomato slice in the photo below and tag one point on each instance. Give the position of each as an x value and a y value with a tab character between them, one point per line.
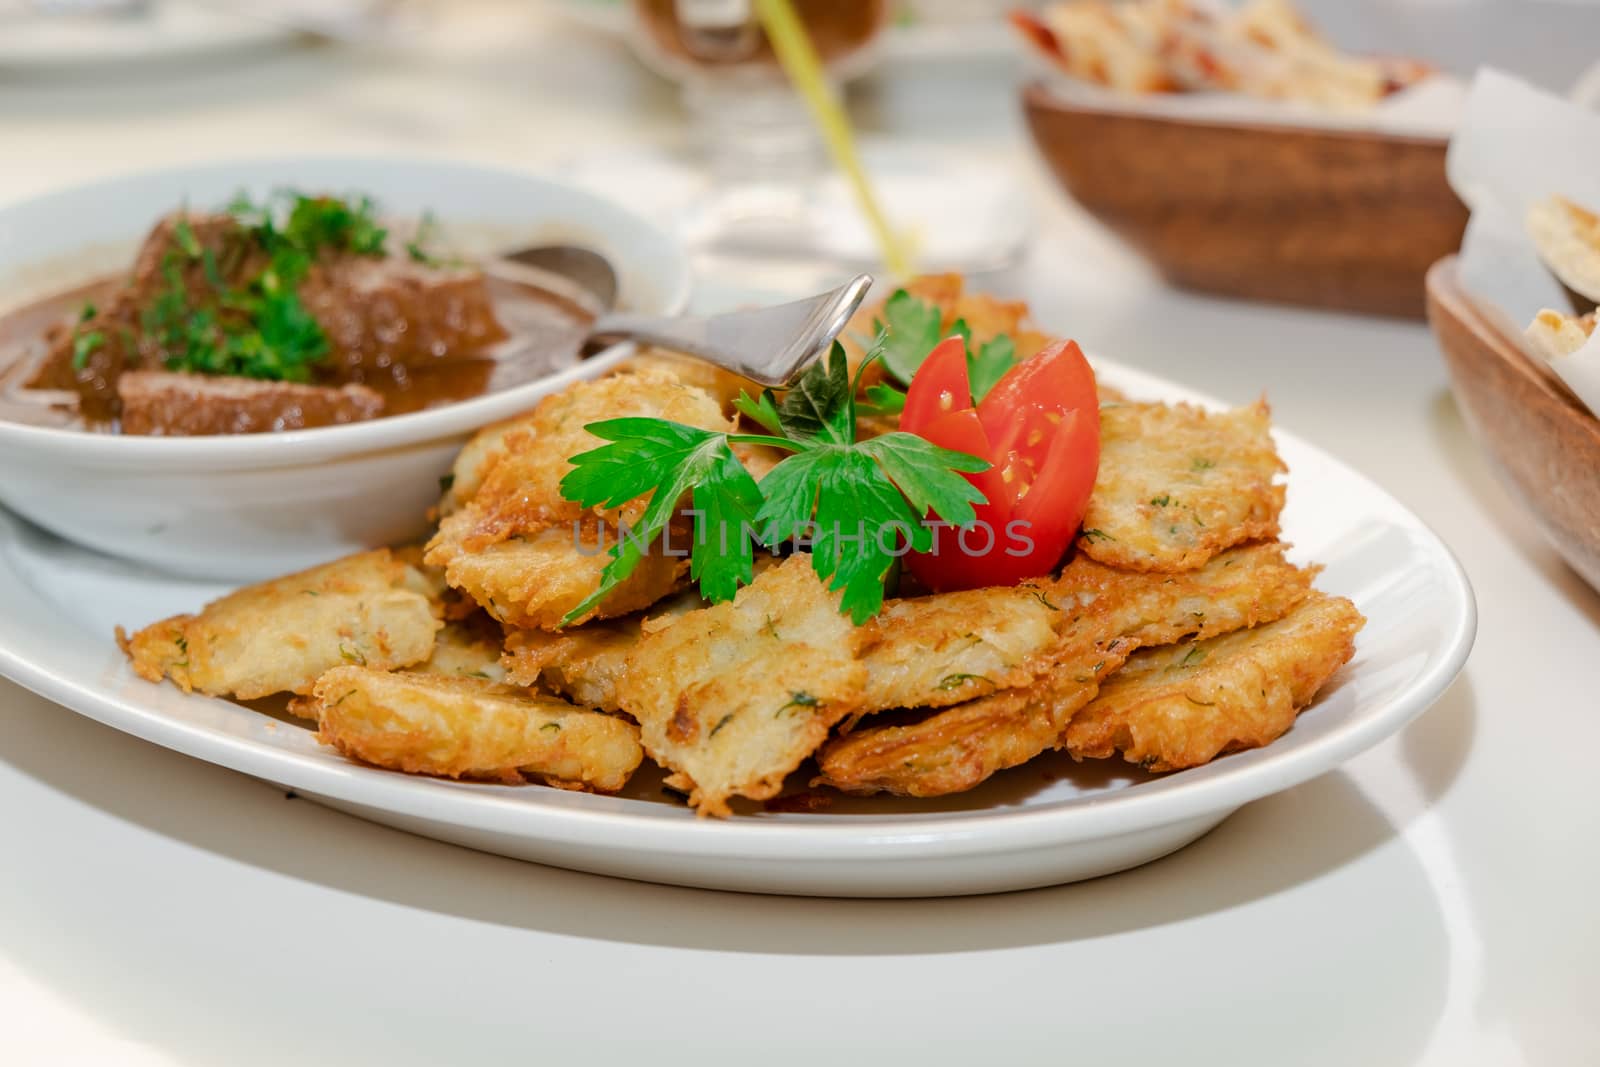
940	386
1058	379
948	566
1040	427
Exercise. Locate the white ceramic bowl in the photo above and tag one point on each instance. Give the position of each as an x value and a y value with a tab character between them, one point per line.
250	507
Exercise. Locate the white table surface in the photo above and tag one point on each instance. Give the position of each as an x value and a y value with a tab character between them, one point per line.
1431	902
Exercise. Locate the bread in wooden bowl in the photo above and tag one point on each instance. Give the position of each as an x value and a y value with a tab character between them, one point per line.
1541	442
1329	218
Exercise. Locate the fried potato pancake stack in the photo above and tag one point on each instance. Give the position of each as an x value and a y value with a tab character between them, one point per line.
510	540
1176	632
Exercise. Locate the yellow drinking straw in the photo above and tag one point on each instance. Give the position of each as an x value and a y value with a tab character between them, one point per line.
799	61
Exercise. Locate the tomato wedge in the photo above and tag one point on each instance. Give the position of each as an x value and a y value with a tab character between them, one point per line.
1040	428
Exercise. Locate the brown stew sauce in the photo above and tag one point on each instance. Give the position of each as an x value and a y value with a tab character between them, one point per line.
546	334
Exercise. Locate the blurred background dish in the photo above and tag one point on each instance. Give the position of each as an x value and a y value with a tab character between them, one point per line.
39	37
43	36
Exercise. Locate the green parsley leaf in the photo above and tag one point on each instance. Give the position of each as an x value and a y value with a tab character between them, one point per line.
883	399
926	475
85	345
852	541
989	364
728	501
670	459
821	405
762	410
858	502
910	329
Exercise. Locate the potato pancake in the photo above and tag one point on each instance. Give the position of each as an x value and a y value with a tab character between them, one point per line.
1184	705
469	648
279	636
1178	484
1105	614
470	728
533	580
521	492
733	697
584	663
474	461
955	749
723	386
944	649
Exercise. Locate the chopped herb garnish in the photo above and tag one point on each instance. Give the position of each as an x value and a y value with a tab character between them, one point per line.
552	727
798	700
85	345
1193	656
87	312
1038	594
956	681
720	724
1097	535
417	247
1161	501
259	328
1201	463
352	655
183	234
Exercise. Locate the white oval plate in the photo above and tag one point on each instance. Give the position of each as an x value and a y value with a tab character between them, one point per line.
1047	822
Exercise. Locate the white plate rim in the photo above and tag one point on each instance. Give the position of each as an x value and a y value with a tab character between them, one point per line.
578	819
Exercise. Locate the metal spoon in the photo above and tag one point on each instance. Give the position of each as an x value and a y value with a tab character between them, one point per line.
770	345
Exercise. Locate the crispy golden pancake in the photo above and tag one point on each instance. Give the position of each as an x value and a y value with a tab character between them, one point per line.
279	636
733	697
945	649
468	728
534	580
1184	705
1178	484
1104	615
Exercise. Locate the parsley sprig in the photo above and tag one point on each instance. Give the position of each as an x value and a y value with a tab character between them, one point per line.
912	328
855	502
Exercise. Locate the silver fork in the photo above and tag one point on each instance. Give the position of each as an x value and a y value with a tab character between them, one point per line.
770	345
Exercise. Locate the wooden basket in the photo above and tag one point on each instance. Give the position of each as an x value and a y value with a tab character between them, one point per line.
1337	219
1541	442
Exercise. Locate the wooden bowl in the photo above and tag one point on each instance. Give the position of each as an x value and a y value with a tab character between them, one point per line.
1340	219
1541	442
